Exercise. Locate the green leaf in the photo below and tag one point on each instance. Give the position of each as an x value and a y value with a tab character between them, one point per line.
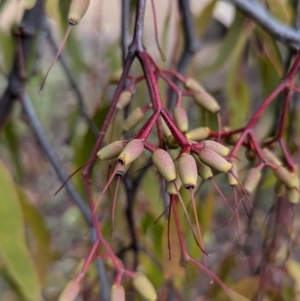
41	247
227	45
13	249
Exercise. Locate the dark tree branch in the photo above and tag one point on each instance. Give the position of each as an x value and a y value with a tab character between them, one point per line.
260	15
57	166
125	24
28	32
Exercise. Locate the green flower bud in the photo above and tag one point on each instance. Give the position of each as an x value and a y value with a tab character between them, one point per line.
115	77
111	150
214	160
70	292
77	11
171	142
216	147
198	134
232	181
181	119
187	168
117	293
192	85
133	149
170	187
165	164
145	288
124	99
134	118
207	102
288	179
203	170
271	157
165	128
292	196
251	179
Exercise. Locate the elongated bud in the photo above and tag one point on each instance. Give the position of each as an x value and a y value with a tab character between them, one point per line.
164	164
111	150
124	100
198	134
207	102
232	181
292	196
271	157
70	292
181	119
203	170
171	142
288	179
216	147
134	118
165	128
115	77
133	149
117	293
251	179
192	85
232	140
77	11
279	188
187	169
29	4
214	160
145	288
170	187
122	170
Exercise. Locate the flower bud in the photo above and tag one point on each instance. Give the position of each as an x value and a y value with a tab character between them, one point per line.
115	77
203	170
292	196
216	147
117	293
198	134
187	170
77	11
232	181
70	292
284	176
207	102
251	179
170	187
214	160
111	150
124	99
145	288
165	128
279	188
171	142
29	4
271	157
134	118
192	85
165	164
181	119
122	170
250	154
133	149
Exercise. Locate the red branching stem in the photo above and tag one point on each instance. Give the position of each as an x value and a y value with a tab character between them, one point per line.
287	94
172	199
146	129
287	156
180	138
178	76
130	58
150	147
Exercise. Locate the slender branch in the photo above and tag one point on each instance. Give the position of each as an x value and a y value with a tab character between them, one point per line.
73	85
125	23
260	15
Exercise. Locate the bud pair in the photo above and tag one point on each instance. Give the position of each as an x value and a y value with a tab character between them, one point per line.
216	147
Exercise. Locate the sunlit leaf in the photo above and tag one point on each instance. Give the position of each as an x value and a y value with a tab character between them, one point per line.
13	247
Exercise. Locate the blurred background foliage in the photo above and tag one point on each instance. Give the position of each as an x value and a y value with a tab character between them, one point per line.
42	242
